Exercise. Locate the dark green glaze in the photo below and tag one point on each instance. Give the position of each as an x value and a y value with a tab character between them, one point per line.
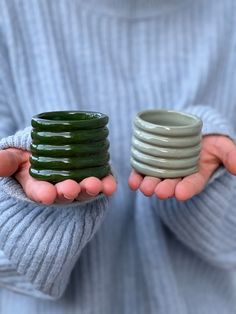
55	176
60	138
69	150
69	163
58	121
69	145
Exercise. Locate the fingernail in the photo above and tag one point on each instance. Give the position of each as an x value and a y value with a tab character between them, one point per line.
91	194
67	197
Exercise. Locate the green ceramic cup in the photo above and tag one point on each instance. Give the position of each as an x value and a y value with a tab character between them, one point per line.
166	143
69	145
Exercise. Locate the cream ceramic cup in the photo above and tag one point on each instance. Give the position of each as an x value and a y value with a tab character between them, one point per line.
166	143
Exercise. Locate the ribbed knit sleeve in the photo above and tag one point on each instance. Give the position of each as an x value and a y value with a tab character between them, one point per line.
12	280
207	222
43	243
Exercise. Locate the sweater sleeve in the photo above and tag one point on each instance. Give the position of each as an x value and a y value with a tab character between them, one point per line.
207	222
39	245
12	280
42	243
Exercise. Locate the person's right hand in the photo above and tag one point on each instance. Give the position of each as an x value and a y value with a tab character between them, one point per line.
15	162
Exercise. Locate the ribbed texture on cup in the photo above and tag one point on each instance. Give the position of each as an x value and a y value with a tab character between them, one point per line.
168	148
69	145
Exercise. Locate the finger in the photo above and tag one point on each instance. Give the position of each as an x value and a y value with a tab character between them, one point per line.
135	179
230	162
67	190
223	150
166	188
226	152
148	185
91	186
38	191
191	185
10	159
109	185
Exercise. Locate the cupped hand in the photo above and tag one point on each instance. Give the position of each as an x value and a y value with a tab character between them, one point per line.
216	150
16	162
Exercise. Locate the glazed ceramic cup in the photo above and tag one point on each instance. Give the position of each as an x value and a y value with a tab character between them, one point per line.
69	145
166	143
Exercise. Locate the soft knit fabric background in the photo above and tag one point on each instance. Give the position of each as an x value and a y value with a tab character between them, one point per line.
118	57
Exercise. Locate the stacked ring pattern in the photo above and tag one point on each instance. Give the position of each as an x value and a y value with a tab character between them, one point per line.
166	143
69	145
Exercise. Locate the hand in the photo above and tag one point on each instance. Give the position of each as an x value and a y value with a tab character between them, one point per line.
16	162
216	150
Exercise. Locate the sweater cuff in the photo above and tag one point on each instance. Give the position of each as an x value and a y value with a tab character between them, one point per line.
21	140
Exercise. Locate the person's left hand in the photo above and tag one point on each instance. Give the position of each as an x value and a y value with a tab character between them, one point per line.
216	150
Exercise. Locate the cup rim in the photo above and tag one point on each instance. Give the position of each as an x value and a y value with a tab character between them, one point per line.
193	127
45	119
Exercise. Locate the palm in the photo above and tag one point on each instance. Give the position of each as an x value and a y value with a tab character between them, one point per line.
16	162
216	150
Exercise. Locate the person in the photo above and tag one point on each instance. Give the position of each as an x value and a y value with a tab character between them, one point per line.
155	246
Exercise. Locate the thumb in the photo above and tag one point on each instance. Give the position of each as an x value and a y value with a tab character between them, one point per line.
10	160
226	153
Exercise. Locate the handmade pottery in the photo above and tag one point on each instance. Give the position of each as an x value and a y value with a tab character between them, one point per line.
69	145
166	143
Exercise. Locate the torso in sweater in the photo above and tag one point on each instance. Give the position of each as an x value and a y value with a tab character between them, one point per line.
69	55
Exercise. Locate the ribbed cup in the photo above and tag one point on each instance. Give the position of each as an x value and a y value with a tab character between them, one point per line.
166	143
69	145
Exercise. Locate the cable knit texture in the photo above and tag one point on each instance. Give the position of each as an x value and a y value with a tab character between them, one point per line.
118	57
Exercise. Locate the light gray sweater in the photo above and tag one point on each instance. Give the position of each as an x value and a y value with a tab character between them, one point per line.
128	254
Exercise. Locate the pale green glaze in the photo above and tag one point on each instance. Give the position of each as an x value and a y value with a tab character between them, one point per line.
166	143
167	163
161	172
168	122
168	152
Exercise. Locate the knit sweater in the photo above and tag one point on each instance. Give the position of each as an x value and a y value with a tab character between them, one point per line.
127	254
